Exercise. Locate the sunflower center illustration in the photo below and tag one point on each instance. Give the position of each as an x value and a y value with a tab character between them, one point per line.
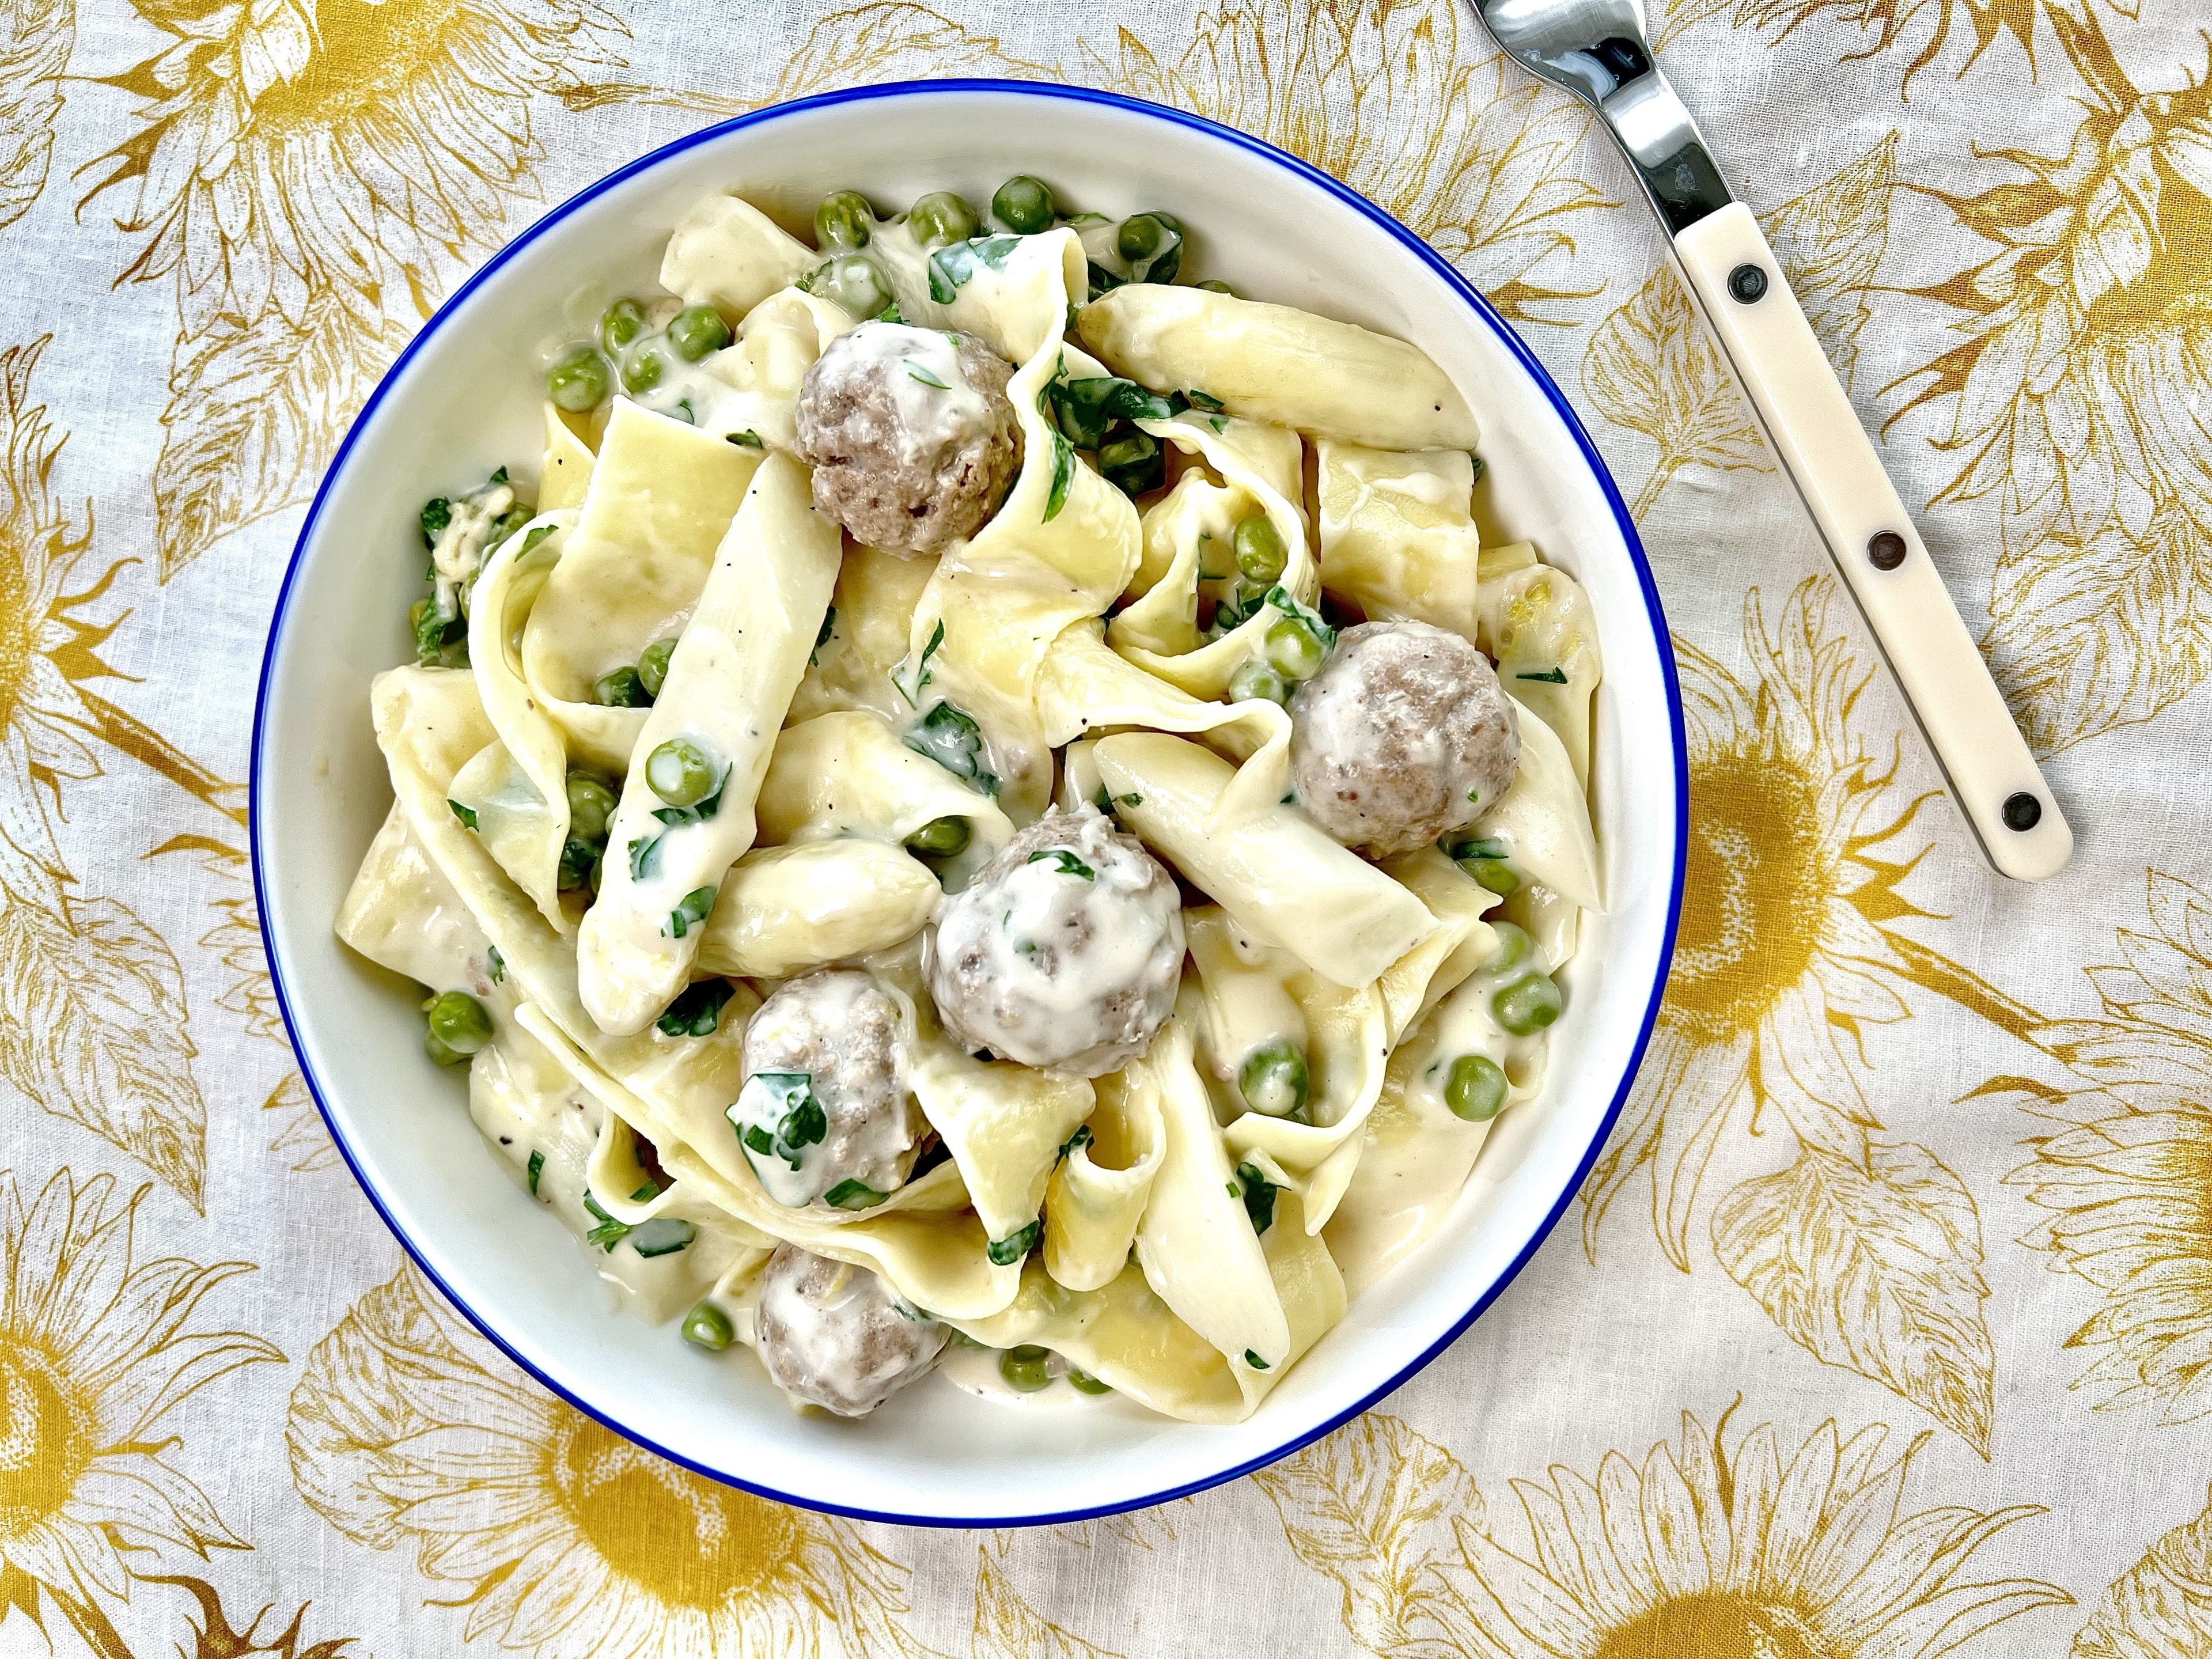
682	1537
2176	285
46	1440
18	629
1754	889
1717	1625
366	53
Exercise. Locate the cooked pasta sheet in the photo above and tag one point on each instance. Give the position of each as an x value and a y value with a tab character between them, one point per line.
986	795
1287	367
729	682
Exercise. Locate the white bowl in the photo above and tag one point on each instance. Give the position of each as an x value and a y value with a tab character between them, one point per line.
463	397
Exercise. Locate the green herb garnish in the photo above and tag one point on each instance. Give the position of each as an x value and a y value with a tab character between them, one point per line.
690	911
1549	677
915	371
1005	1252
697	1009
1064	862
1259	1196
849	1195
465	814
536	1169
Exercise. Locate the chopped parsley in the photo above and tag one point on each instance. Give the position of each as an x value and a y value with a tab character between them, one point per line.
747	440
1549	677
644	858
536	1169
498	964
1081	1137
821	637
801	1124
1064	861
1255	1361
915	371
952	266
467	815
1259	1195
952	740
610	1232
691	911
697	1009
850	1194
1005	1252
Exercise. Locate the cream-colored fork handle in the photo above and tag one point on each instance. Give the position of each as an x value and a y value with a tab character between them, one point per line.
1828	456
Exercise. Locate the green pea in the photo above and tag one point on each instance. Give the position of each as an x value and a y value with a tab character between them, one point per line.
591	805
1215	285
439	1051
854	283
1259	547
1475	1089
1024	1368
940	838
458	1020
579	381
940	217
696	332
1256	678
680	773
1513	945
1293	646
653	665
621	322
1140	236
1273	1078
1025	205
1083	1381
642	368
1496	874
843	221
621	688
1527	1004
708	1326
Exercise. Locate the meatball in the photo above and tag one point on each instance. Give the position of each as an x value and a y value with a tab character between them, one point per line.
1404	734
910	435
1066	950
839	1030
833	1334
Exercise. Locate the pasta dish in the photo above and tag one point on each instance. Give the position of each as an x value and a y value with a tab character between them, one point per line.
982	807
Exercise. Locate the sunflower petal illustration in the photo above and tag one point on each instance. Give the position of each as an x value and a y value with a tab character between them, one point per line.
2161	1605
1876	1268
2123	1174
35	38
566	1540
1709	1551
96	1349
1394	99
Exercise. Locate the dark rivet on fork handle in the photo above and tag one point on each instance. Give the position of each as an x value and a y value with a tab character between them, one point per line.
2022	811
1748	284
1885	551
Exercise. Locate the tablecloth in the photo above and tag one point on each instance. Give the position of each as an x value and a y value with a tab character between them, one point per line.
1881	1328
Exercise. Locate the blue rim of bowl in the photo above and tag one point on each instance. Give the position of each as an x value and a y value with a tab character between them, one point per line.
1460	286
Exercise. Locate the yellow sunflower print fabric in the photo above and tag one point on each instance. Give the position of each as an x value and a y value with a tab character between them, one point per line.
1882	1327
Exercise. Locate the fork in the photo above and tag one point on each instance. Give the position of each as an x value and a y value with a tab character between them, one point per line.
1598	51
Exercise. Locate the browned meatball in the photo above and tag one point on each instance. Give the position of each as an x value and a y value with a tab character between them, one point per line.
833	1334
910	435
1064	952
840	1031
1404	734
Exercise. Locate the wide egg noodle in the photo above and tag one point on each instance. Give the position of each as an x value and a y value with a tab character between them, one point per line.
1004	1125
1463	941
1125	1335
565	473
1274	871
1537	621
1159	633
1251	992
1098	1193
1015	301
427	721
1544	818
661	496
727	253
1272	363
784	911
747	393
1084	685
403	915
736	664
847	774
1397	537
995	603
517	786
872	613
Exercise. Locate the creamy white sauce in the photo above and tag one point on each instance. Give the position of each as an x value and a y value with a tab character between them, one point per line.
460	548
937	408
975	1371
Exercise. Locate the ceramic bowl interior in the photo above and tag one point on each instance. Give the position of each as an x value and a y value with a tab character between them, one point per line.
463	399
